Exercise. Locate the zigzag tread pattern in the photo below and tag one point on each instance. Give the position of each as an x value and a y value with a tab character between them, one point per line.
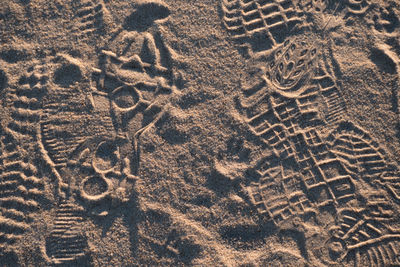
21	192
358	148
251	18
283	116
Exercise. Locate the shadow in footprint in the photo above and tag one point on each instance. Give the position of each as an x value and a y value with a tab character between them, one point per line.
67	75
383	61
3	80
145	15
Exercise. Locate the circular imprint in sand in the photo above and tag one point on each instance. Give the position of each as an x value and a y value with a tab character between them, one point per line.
106	156
125	97
94	187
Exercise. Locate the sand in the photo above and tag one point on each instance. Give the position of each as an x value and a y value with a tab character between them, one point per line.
199	133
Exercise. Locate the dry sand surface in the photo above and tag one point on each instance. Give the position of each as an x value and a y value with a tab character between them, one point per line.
199	133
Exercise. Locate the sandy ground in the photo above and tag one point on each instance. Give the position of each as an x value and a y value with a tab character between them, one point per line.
199	133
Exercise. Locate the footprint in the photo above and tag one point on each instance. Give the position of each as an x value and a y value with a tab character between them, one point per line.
260	20
67	74
386	21
383	59
90	16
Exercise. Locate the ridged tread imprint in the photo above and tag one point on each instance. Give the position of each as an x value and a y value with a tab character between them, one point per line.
308	171
66	243
25	101
21	192
87	111
270	19
89	16
264	24
317	160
